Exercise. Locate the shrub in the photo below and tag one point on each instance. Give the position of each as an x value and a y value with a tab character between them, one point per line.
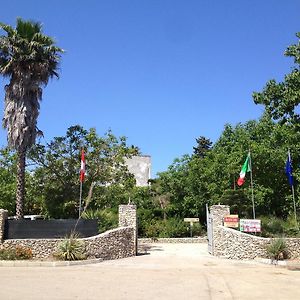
23	252
169	228
107	218
17	253
8	254
71	248
277	249
272	226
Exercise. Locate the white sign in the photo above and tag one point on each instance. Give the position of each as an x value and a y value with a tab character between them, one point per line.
192	220
250	225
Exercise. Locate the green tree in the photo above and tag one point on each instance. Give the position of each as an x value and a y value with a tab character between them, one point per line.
281	99
57	166
28	58
203	145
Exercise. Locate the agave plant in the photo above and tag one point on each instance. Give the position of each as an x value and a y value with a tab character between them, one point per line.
71	248
277	249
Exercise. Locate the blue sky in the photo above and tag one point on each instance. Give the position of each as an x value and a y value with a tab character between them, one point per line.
160	72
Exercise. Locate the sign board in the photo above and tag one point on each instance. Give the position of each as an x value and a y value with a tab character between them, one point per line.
231	221
250	225
191	220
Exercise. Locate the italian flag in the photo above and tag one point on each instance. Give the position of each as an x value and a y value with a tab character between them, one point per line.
245	168
82	166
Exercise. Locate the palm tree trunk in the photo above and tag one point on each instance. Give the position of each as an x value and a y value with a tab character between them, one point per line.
20	195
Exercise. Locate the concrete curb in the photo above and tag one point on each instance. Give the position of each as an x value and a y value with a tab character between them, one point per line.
268	261
31	263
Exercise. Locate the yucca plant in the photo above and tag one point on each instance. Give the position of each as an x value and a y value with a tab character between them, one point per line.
71	248
277	249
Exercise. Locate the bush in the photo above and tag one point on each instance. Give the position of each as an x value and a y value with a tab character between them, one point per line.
277	249
272	226
17	253
170	228
276	227
71	248
107	218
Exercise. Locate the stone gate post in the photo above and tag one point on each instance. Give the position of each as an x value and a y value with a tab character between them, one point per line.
3	217
128	218
217	213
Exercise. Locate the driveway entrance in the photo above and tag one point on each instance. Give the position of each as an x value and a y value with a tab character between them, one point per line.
165	271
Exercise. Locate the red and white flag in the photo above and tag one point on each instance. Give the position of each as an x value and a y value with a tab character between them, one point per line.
82	166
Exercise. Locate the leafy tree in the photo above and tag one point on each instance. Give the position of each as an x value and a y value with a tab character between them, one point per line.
7	180
194	181
203	145
57	171
28	58
281	99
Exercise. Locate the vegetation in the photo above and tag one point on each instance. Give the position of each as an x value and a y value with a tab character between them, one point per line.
16	253
71	248
207	176
277	249
28	58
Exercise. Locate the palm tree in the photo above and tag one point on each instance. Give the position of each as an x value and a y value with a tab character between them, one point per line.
28	58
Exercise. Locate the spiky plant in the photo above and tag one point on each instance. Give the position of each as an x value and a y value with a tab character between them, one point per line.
71	248
28	58
277	249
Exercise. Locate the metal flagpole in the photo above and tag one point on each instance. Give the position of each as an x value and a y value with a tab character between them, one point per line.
293	193
251	181
80	199
293	190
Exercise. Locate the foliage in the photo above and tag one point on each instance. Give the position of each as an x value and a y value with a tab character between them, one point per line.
71	248
107	218
272	226
57	168
194	181
16	253
281	99
172	227
203	145
28	58
277	249
277	227
238	202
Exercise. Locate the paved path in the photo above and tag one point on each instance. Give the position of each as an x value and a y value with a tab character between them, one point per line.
166	271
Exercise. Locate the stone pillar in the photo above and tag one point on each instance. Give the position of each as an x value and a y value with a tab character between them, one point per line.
128	218
3	217
217	213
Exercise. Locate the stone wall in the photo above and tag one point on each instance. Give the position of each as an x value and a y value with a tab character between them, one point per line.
112	244
233	244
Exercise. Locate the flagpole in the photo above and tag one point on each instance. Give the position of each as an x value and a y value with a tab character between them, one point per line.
80	199
82	173
293	191
251	182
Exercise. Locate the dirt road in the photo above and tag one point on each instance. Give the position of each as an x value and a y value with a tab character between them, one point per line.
165	271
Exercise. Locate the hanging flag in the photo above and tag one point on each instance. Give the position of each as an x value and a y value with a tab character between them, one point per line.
289	170
246	168
82	167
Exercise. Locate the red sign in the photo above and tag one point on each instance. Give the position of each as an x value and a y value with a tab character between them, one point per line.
231	221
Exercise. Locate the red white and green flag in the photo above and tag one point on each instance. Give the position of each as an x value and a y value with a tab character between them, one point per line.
245	168
82	166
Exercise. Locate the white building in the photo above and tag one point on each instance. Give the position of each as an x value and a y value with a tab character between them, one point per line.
140	167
